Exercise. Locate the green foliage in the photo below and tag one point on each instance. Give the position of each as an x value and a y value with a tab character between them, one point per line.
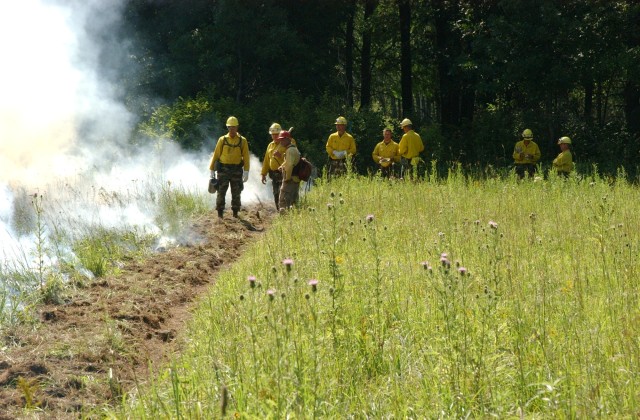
187	121
457	297
482	72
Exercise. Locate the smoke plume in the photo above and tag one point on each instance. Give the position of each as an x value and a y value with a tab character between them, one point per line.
64	128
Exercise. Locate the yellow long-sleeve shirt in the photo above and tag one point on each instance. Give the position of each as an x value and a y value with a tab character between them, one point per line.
339	143
410	145
231	151
531	152
564	162
386	151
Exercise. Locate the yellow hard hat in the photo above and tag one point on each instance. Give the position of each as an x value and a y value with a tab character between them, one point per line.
564	140
341	120
527	134
275	128
232	122
406	122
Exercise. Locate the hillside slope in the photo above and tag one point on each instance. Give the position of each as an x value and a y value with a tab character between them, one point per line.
86	352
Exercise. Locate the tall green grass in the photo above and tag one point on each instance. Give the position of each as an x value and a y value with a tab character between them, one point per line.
443	298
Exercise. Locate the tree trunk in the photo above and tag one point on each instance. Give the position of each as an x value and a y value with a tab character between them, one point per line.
404	9
365	67
349	42
632	107
588	101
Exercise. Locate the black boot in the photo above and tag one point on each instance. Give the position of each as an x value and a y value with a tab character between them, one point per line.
220	213
235	213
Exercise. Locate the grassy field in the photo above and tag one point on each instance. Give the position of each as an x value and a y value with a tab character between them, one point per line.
444	298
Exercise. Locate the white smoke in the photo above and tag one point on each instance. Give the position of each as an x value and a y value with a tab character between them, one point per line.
63	129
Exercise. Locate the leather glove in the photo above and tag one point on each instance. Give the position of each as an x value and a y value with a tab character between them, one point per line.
245	176
264	179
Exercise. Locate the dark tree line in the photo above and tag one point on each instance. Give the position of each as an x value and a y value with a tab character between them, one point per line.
471	74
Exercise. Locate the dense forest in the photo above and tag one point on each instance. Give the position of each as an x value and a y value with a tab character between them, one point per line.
470	74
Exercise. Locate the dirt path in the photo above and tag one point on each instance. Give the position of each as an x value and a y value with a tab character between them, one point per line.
117	326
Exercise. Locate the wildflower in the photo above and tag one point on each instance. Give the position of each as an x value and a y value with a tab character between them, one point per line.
329	206
425	265
476	222
241	297
445	262
342	201
252	281
441	235
332	194
271	293
444	255
314	285
306	296
339	260
369	218
493	225
288	263
463	271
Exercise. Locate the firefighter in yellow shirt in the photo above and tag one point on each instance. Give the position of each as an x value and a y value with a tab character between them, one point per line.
340	147
526	154
273	158
563	164
385	154
230	162
409	148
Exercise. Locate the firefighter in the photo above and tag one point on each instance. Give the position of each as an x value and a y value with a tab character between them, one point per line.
526	154
409	148
273	158
230	160
563	164
340	147
385	154
290	189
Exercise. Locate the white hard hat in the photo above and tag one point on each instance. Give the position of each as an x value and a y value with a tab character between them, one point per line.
406	122
275	128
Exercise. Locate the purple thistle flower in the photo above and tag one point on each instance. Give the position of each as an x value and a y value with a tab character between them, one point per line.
252	281
493	225
369	218
444	255
271	293
288	263
445	262
314	284
425	265
463	271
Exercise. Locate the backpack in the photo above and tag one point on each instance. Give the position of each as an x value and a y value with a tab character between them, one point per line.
303	169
